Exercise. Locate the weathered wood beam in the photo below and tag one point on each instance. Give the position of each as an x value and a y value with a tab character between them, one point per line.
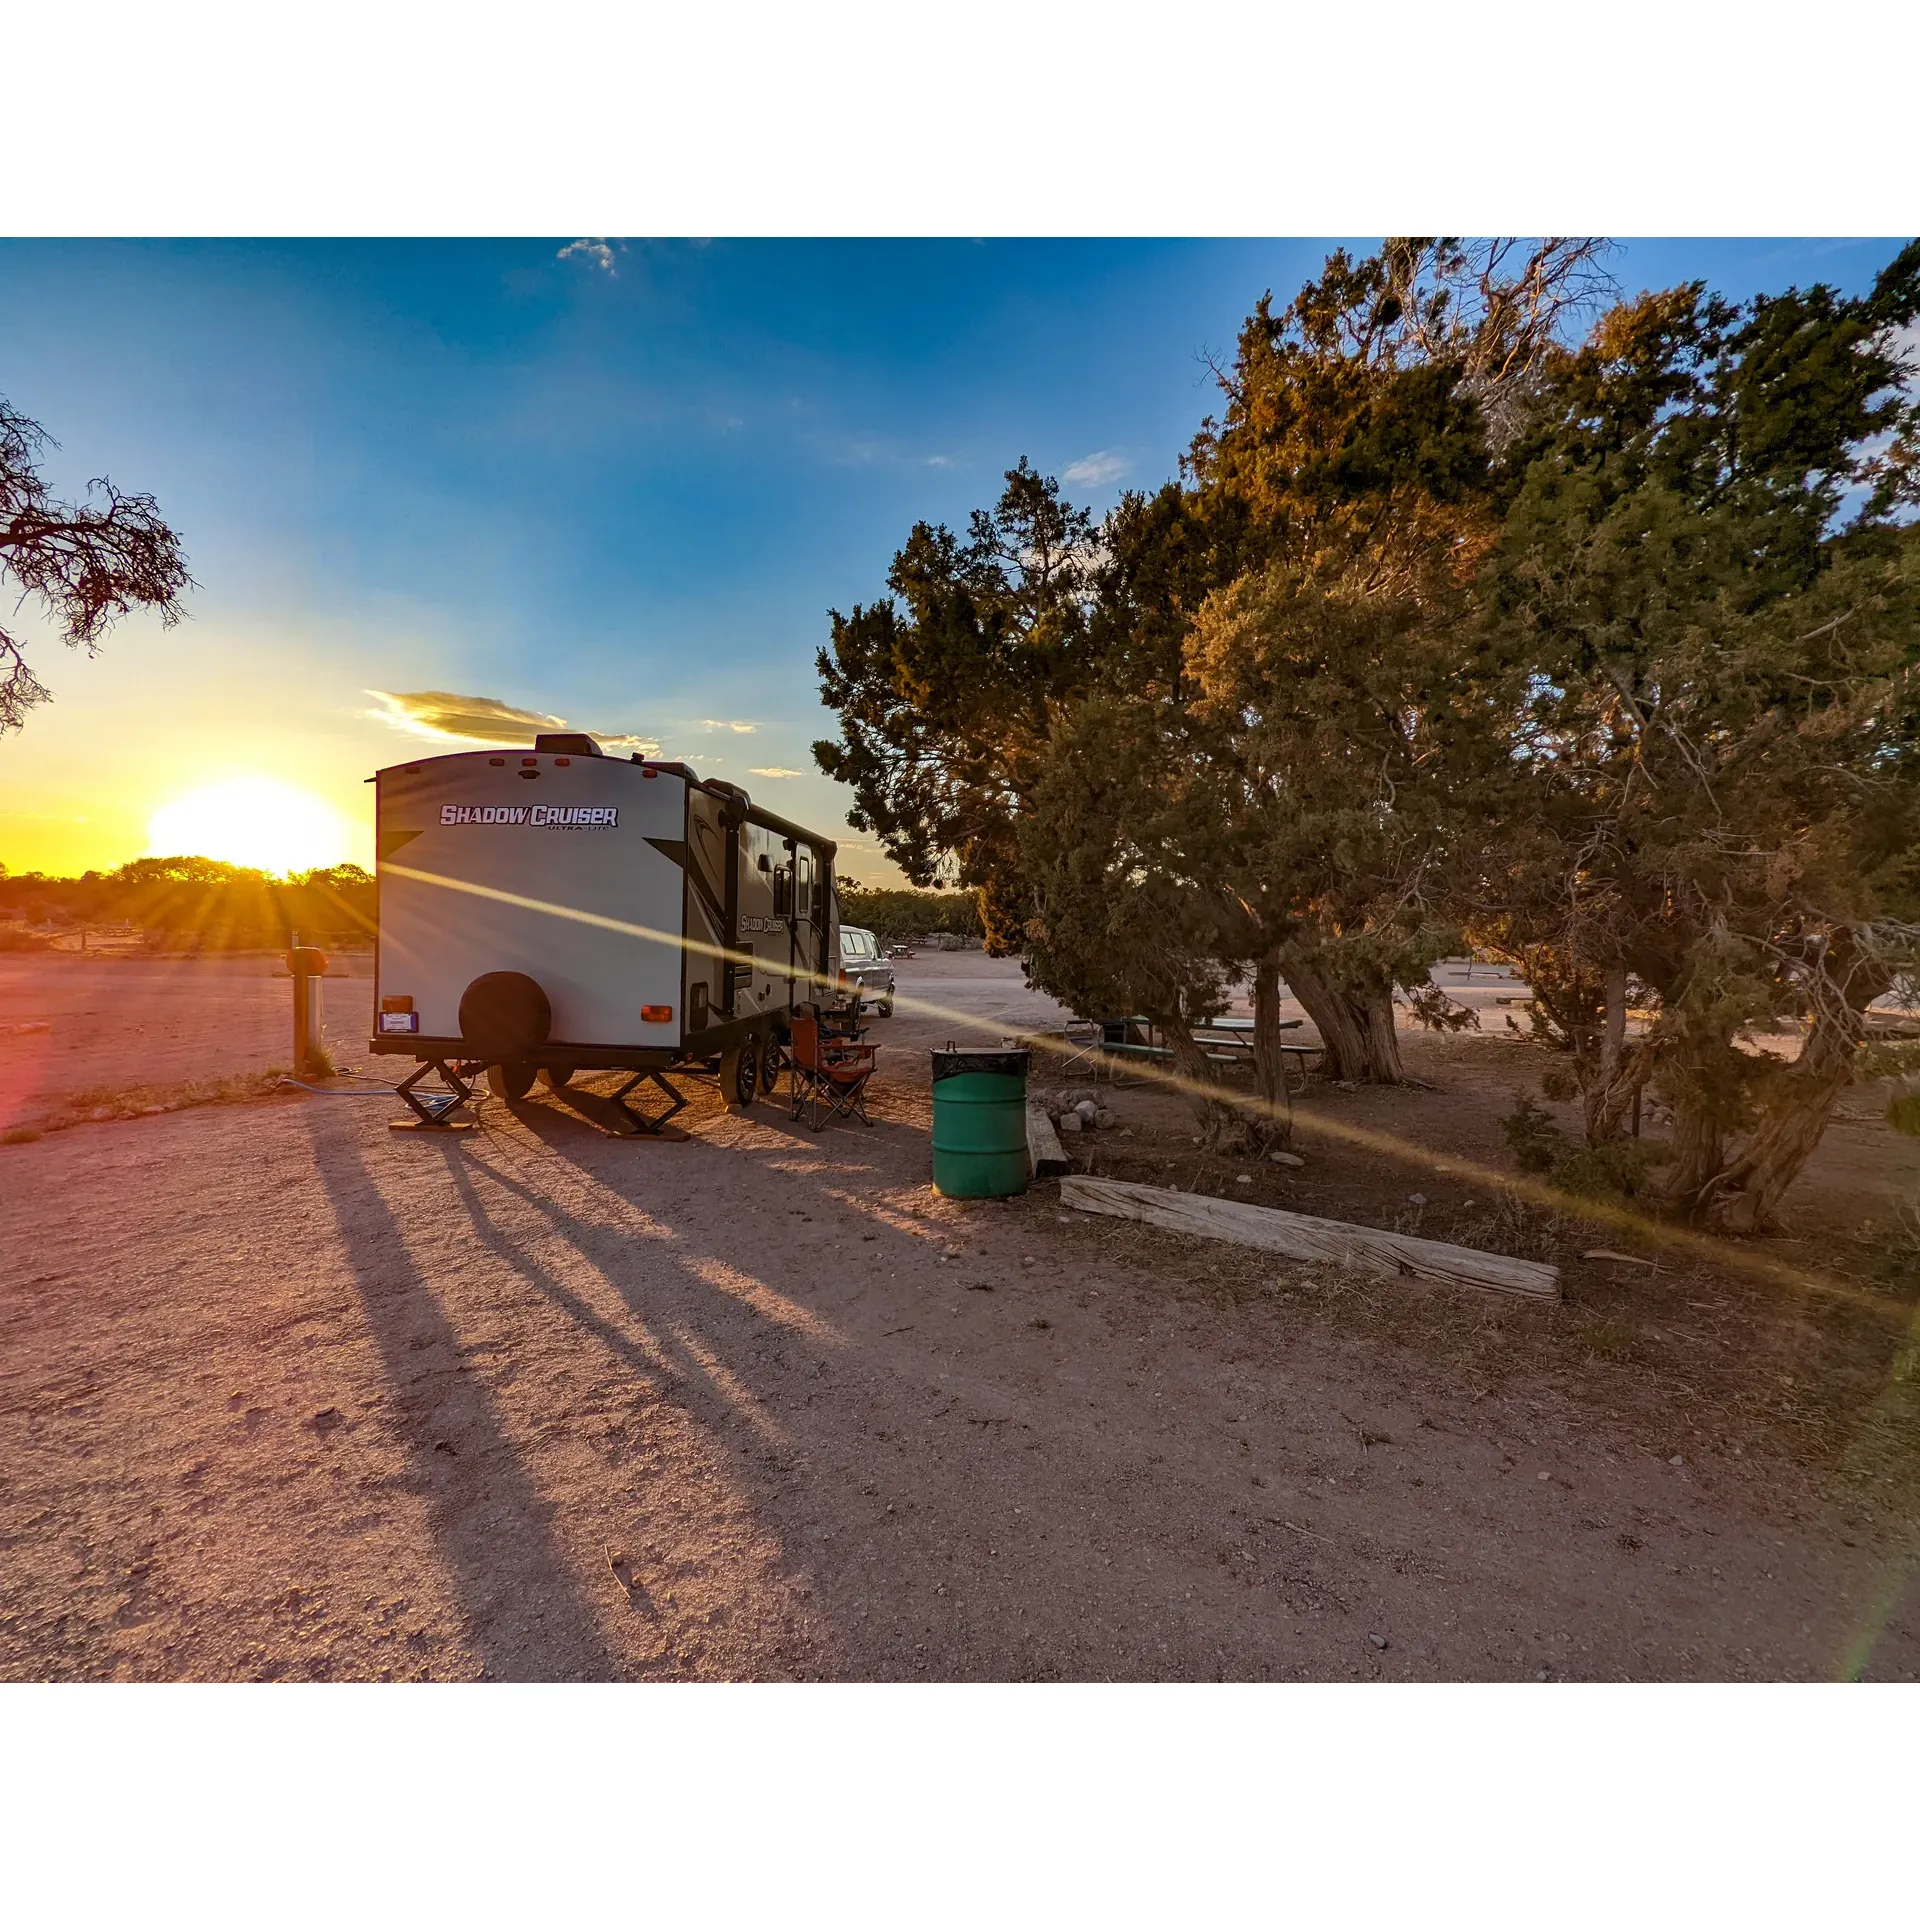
1045	1154
1300	1236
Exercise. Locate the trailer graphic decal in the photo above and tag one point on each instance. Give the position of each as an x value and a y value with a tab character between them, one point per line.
574	818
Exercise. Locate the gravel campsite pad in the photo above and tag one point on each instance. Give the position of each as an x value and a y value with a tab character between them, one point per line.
284	1394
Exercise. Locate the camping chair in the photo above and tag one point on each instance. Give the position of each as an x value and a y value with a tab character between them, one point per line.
829	1076
1081	1052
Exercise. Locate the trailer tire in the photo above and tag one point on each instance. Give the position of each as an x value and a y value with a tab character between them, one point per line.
509	1080
556	1076
885	1008
740	1073
771	1062
505	1016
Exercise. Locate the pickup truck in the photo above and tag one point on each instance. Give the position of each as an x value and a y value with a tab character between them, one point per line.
866	974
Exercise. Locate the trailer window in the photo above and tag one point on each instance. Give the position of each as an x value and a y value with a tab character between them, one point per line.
803	884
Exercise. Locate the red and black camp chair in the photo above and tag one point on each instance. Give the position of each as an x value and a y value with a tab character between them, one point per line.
829	1076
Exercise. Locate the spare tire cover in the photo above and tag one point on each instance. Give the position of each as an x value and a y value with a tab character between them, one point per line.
504	1016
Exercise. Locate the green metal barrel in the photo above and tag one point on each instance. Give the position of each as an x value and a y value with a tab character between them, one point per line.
980	1122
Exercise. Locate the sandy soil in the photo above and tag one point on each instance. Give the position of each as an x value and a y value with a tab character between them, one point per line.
283	1394
70	1025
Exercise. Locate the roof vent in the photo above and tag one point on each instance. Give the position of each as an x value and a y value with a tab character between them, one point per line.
582	743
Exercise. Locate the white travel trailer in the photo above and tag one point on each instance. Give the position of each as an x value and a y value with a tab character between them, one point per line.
559	911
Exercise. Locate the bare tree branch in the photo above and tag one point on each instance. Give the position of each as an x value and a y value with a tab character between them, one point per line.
87	564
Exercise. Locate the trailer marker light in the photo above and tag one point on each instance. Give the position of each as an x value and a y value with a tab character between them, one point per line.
656	1014
396	1003
563	761
496	763
649	773
529	763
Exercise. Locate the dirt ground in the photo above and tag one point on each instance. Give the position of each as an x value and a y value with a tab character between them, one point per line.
73	1028
284	1394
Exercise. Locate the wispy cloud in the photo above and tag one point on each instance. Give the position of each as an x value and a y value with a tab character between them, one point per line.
464	716
730	726
481	720
1098	469
775	773
846	449
598	251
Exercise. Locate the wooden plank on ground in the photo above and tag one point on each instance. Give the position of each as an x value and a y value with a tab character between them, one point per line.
1300	1236
1045	1154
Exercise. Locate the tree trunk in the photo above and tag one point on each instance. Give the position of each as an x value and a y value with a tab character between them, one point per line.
1746	1196
1699	1156
1607	1102
1603	1116
1269	1063
1607	1096
1220	1126
1355	1024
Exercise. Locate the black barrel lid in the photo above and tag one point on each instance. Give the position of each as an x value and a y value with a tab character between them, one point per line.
950	1062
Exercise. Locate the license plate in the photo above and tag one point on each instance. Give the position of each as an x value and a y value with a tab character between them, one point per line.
399	1023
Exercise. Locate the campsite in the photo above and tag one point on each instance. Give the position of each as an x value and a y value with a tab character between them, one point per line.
1300	1063
916	1000
290	1395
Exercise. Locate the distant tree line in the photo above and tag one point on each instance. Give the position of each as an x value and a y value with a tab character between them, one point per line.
1493	608
904	913
194	904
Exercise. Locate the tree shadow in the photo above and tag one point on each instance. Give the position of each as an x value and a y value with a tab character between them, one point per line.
815	1361
675	1370
523	1608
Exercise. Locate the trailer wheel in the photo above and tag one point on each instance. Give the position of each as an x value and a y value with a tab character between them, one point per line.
556	1076
505	1016
509	1080
772	1059
740	1072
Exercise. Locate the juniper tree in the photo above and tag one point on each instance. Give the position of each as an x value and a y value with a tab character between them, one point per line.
1126	916
1710	602
945	688
1344	495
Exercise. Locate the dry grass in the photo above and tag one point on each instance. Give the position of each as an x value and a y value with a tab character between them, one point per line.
1673	1353
93	1105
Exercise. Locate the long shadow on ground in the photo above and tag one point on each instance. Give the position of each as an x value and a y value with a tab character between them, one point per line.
523	1608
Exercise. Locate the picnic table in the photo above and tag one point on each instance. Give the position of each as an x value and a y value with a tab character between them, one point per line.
1227	1040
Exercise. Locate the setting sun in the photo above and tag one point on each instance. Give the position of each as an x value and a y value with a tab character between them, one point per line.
252	822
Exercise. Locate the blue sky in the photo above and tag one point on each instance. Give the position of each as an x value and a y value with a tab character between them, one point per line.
621	488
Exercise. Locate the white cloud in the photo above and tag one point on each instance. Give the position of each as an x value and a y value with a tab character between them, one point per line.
1098	469
595	250
477	719
775	773
730	726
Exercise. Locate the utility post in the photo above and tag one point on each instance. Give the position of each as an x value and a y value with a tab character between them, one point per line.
306	964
